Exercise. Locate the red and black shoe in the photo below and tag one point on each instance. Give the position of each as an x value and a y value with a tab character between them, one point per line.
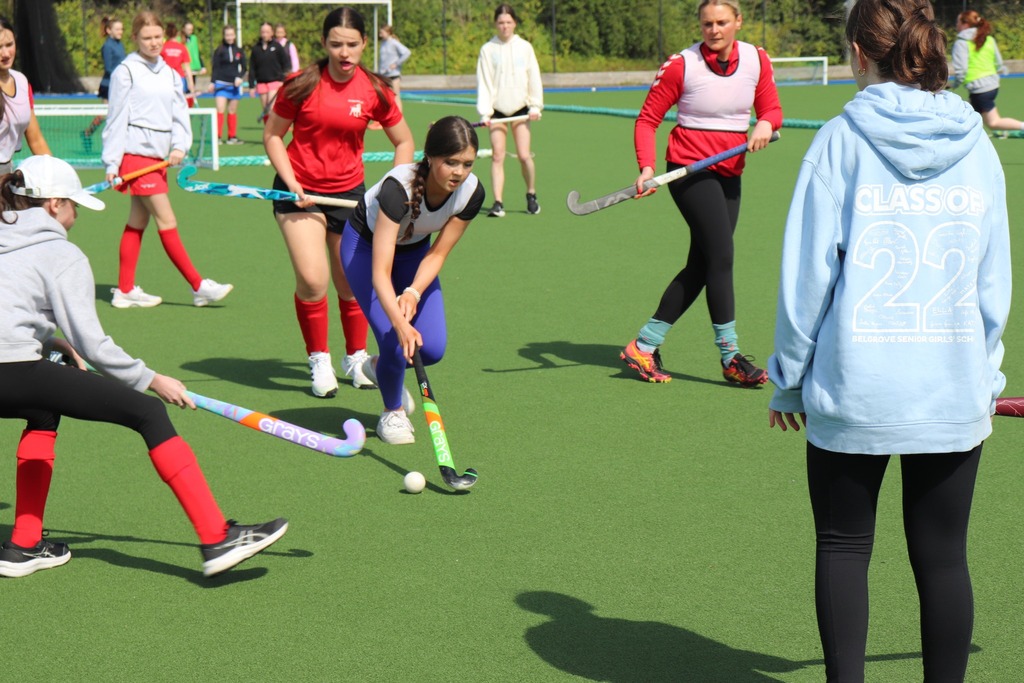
740	370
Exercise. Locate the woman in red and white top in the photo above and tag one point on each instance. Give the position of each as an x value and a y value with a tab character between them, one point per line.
17	120
713	85
147	122
328	107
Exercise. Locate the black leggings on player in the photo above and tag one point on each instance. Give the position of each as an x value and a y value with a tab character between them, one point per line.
40	392
710	205
937	493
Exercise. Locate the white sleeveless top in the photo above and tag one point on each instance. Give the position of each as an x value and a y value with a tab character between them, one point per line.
17	115
711	101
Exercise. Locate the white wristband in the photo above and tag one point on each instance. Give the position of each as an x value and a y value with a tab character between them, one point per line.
413	291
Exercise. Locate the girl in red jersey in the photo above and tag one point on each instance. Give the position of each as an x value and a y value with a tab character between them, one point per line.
328	107
713	84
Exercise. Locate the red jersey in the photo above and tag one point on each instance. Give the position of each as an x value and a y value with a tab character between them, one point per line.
326	150
687	145
176	54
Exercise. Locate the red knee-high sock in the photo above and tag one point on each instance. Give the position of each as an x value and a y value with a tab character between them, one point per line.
177	466
131	245
312	316
232	125
179	257
220	124
354	324
35	469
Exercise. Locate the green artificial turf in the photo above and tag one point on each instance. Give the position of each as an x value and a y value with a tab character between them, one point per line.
620	531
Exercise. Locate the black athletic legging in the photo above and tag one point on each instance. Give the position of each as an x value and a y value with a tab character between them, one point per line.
40	392
937	493
710	205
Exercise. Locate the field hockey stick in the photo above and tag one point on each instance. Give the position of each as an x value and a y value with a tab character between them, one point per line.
438	438
121	180
261	422
267	108
1010	407
248	192
510	119
573	200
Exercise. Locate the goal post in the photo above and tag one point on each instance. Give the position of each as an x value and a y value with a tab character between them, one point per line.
74	133
800	70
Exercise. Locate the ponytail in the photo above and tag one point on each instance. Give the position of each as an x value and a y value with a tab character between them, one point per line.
9	201
902	39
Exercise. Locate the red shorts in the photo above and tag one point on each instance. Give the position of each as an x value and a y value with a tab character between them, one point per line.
154	182
266	88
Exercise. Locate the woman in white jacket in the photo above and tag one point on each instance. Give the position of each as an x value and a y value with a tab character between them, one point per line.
147	121
508	84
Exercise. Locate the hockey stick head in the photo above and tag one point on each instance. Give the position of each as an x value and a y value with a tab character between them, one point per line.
459	483
355	438
184	174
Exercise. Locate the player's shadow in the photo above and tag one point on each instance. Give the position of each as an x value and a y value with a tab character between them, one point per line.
579	642
553	355
269	374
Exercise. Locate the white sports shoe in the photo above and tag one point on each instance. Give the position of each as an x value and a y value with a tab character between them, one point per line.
352	366
395	428
133	299
325	384
370	370
210	291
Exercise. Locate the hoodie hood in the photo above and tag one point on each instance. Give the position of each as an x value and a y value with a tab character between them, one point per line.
967	33
920	133
32	226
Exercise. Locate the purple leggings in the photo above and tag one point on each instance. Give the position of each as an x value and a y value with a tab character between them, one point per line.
429	321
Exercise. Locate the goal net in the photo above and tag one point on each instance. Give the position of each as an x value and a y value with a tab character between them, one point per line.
74	133
800	70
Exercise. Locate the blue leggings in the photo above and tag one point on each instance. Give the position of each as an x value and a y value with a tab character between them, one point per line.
429	321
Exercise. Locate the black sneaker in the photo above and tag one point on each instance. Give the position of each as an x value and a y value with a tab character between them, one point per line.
497	211
16	561
241	543
234	141
531	204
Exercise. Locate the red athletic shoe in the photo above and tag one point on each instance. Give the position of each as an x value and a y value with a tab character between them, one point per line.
741	371
648	365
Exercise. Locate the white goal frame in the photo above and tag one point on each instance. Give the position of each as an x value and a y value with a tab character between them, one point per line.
789	60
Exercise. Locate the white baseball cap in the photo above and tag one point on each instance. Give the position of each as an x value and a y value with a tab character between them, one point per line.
48	177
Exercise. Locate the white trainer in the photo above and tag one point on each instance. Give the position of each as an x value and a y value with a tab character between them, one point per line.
210	291
352	366
395	428
133	299
370	370
325	384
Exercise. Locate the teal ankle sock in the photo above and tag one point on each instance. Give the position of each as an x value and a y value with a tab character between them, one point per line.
652	335
726	340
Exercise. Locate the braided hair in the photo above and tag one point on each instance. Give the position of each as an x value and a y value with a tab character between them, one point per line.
448	136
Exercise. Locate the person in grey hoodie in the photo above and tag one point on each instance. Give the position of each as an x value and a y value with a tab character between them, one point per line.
893	296
48	286
977	64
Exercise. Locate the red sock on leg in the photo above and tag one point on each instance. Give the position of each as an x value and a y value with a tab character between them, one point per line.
354	324
177	466
312	316
220	125
232	125
179	257
35	469
131	245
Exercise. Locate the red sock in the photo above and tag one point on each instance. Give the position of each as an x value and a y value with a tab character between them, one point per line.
354	324
179	257
131	245
232	125
312	317
177	466
35	469
220	125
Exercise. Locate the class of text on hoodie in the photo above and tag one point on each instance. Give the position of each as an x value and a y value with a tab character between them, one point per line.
895	282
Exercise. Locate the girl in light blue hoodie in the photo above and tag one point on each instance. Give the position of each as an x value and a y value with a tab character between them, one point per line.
894	292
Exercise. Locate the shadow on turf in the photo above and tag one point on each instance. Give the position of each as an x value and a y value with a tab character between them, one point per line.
260	373
577	641
597	355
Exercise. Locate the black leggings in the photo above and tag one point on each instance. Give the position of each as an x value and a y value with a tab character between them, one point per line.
40	392
937	493
710	205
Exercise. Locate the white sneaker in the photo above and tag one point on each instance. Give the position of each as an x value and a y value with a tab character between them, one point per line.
370	370
210	291
352	366
133	299
395	428
325	384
